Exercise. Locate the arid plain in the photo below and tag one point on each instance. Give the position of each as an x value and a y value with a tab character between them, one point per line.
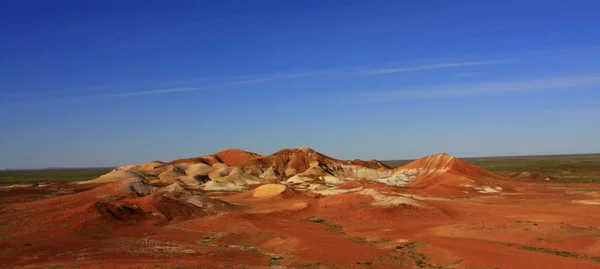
298	208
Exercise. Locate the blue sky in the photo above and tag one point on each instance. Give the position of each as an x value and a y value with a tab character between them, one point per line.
102	83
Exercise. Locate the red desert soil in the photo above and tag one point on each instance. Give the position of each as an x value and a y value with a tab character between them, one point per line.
129	224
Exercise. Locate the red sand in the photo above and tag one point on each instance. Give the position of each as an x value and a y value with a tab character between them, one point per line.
475	232
533	226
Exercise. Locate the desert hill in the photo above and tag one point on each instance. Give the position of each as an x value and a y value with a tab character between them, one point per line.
306	169
444	173
287	180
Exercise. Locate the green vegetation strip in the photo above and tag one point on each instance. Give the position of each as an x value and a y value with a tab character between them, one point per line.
9	177
562	253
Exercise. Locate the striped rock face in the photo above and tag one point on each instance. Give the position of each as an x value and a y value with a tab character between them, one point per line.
439	173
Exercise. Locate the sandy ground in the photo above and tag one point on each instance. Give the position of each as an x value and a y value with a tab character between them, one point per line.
536	226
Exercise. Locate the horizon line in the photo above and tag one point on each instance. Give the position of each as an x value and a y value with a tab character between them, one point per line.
380	160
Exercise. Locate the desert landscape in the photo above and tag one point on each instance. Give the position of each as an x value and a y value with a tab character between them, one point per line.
298	208
361	134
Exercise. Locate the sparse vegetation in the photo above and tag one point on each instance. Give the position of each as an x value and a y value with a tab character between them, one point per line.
421	260
249	248
562	253
552	251
320	265
275	261
313	219
380	240
334	227
209	239
547	240
268	233
358	239
411	245
362	240
309	265
9	177
392	261
457	262
54	267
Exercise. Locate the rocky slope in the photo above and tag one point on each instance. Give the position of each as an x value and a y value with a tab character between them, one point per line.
442	173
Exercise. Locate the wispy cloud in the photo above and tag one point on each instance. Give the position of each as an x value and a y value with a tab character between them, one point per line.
237	80
462	90
150	92
252	81
100	96
279	76
463	75
240	80
125	90
427	67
